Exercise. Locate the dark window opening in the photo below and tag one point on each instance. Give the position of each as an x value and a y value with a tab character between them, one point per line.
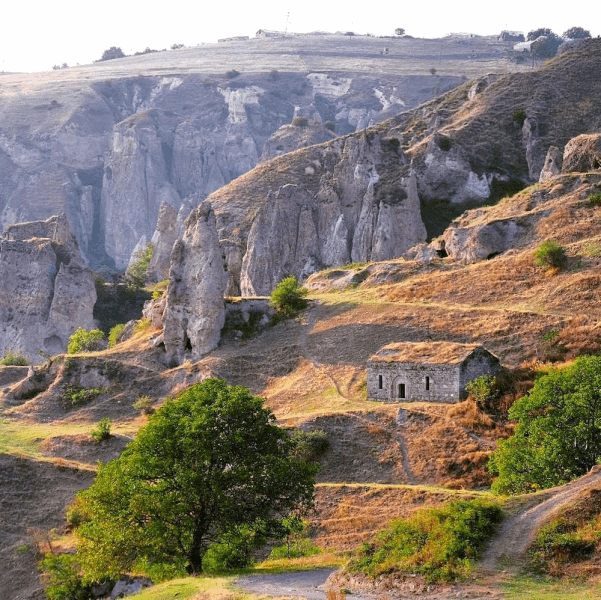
379	382
401	390
427	384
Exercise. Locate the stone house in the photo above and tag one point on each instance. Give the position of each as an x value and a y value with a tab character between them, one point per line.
426	371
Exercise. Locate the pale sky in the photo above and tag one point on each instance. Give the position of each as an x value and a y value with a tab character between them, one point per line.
37	35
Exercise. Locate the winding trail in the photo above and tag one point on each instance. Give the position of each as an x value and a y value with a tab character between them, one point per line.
517	531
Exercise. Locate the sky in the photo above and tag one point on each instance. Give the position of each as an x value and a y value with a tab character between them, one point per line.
38	35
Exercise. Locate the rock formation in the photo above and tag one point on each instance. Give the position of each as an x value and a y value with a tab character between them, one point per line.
47	291
582	153
552	165
194	309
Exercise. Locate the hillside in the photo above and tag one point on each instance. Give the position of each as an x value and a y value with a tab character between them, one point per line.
312	373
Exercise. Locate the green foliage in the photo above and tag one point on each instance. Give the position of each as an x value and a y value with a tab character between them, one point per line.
142	325
483	389
519	116
438	543
78	396
207	464
234	549
102	431
558	435
330	125
289	297
85	341
311	445
595	200
62	578
14	359
115	333
550	255
144	404
137	274
296	543
536	33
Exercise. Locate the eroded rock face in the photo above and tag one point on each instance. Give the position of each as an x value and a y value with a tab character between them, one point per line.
194	309
162	240
355	205
47	291
552	165
582	153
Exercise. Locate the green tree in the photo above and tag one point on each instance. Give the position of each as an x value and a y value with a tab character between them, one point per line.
83	340
137	274
576	33
289	297
111	53
206	464
558	435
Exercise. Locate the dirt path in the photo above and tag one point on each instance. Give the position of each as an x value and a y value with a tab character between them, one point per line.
518	530
304	584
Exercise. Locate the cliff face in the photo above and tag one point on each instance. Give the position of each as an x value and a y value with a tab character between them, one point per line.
47	291
107	145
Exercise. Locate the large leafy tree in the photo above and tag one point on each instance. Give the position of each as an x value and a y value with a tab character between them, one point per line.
207	463
558	435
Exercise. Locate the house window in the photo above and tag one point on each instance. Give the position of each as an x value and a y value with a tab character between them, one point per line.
401	390
427	384
379	382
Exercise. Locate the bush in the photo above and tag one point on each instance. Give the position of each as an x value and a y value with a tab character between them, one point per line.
576	33
289	297
233	550
550	255
300	122
78	396
111	53
14	359
311	445
62	579
144	404
115	334
85	341
137	274
519	116
483	390
595	200
232	73
102	431
330	125
439	543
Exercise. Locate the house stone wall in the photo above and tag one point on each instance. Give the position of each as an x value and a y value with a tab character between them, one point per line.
444	382
478	363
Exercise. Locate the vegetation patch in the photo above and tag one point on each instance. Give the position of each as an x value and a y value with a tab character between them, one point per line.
85	341
78	396
289	297
14	359
550	255
439	543
115	334
102	431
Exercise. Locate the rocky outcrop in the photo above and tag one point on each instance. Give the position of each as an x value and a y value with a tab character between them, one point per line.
194	308
47	292
552	165
164	237
355	205
582	153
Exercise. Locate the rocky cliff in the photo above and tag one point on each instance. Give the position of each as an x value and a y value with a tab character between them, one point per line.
47	289
372	195
108	144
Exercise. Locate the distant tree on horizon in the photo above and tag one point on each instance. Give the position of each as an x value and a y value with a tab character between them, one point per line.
536	33
112	53
576	33
399	31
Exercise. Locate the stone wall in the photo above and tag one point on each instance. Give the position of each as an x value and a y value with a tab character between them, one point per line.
443	382
479	362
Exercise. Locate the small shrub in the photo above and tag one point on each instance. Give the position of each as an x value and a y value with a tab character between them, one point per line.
300	122
233	550
483	389
115	334
274	75
232	73
144	404
78	396
137	274
432	71
62	578
176	46
85	341
519	116
595	200
444	143
296	549
102	431
142	325
311	445
289	297
14	359
550	255
112	53
330	125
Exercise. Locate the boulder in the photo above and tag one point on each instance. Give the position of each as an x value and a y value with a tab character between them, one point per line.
194	307
582	153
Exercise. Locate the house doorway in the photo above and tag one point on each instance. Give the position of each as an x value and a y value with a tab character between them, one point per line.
400	389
